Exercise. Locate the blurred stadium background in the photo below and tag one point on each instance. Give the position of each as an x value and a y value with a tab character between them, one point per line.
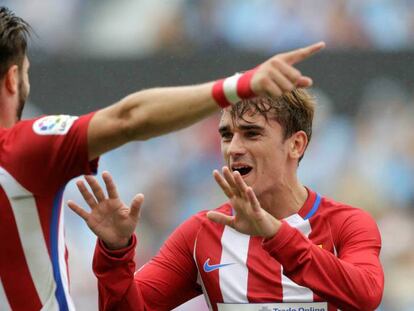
88	54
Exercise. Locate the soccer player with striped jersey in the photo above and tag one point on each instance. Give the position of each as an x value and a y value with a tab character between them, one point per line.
275	245
39	156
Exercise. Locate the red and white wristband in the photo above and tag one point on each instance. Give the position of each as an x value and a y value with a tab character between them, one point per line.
233	89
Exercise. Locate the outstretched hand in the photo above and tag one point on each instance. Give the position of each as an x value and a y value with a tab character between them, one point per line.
250	218
277	75
110	219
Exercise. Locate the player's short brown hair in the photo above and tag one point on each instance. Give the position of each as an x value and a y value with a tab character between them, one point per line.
14	32
294	111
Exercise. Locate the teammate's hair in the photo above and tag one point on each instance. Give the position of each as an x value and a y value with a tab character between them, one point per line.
294	111
14	33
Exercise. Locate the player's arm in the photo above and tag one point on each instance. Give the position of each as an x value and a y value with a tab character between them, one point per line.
165	282
352	280
150	289
157	111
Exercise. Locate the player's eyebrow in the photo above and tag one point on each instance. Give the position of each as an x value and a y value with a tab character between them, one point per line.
243	127
249	127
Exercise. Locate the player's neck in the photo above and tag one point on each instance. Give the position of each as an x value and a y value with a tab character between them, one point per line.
287	200
7	121
8	116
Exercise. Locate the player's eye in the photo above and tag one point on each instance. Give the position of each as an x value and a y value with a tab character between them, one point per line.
226	136
252	134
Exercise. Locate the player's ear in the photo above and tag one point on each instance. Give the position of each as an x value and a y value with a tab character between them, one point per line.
11	79
297	144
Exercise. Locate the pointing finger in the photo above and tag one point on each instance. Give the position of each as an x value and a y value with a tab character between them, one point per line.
301	54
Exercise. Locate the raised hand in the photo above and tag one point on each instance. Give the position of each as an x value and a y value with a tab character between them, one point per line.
250	218
277	75
110	219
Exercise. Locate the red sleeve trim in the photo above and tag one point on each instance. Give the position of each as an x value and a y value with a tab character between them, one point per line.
280	239
92	166
119	254
243	85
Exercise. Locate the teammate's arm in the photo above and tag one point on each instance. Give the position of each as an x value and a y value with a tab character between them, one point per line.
153	112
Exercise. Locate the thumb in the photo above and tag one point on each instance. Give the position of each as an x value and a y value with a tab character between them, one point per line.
136	206
221	218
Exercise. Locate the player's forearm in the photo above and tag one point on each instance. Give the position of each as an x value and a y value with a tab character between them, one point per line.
157	111
115	274
348	285
120	288
148	113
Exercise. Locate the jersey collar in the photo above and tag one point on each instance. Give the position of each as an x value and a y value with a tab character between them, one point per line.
311	205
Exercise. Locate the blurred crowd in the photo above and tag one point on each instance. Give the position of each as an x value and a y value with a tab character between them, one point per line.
109	28
365	158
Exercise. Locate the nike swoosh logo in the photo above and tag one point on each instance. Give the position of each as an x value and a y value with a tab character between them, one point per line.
208	268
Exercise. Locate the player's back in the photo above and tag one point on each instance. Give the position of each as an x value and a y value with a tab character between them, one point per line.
37	158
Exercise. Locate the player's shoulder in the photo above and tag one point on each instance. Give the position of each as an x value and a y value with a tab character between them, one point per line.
349	223
44	125
53	124
19	126
40	130
339	213
14	138
337	208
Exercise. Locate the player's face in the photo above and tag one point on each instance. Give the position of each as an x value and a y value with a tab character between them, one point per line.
257	149
24	87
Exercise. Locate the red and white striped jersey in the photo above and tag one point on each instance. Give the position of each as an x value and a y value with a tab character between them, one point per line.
37	158
327	252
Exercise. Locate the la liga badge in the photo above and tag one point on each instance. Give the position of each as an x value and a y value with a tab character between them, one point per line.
54	125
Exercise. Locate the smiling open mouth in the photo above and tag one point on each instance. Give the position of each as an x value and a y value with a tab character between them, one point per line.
243	170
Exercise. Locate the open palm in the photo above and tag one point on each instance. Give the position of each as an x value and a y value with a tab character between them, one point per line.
250	218
110	219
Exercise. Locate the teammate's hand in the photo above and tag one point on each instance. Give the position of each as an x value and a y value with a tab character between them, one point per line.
277	75
110	219
250	218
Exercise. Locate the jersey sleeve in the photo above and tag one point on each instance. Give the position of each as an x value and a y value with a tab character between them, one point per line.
352	280
166	281
45	153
